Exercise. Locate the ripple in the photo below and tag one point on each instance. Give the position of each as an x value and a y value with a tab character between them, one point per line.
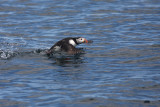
120	68
5	102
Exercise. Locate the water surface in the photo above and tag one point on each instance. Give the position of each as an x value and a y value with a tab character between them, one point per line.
120	68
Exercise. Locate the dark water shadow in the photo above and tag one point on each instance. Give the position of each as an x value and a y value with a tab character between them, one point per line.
65	60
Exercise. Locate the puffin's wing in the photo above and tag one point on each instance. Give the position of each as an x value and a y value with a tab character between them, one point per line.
57	46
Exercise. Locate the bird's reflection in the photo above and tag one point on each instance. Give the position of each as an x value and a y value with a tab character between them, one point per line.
66	60
62	58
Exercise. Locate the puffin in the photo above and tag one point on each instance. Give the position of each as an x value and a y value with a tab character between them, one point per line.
68	45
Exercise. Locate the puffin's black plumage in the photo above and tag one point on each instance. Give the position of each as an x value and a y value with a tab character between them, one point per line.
67	45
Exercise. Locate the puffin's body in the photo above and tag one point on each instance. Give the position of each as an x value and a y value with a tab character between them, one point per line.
67	45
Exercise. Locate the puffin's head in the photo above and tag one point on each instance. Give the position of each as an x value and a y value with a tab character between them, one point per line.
80	40
77	40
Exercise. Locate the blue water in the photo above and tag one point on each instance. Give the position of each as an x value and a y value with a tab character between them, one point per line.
120	68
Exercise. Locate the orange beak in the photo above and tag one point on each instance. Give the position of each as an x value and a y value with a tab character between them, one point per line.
85	41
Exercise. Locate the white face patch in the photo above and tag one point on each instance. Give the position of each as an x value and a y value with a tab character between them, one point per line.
80	40
72	42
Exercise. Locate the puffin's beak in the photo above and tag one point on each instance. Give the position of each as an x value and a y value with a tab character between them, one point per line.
85	41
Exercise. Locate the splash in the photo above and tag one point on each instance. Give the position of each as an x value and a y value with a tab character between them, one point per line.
12	46
4	55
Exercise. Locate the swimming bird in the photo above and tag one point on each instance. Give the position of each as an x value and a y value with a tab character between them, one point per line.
68	45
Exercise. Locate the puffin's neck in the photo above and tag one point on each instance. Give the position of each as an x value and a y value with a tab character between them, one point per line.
72	42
